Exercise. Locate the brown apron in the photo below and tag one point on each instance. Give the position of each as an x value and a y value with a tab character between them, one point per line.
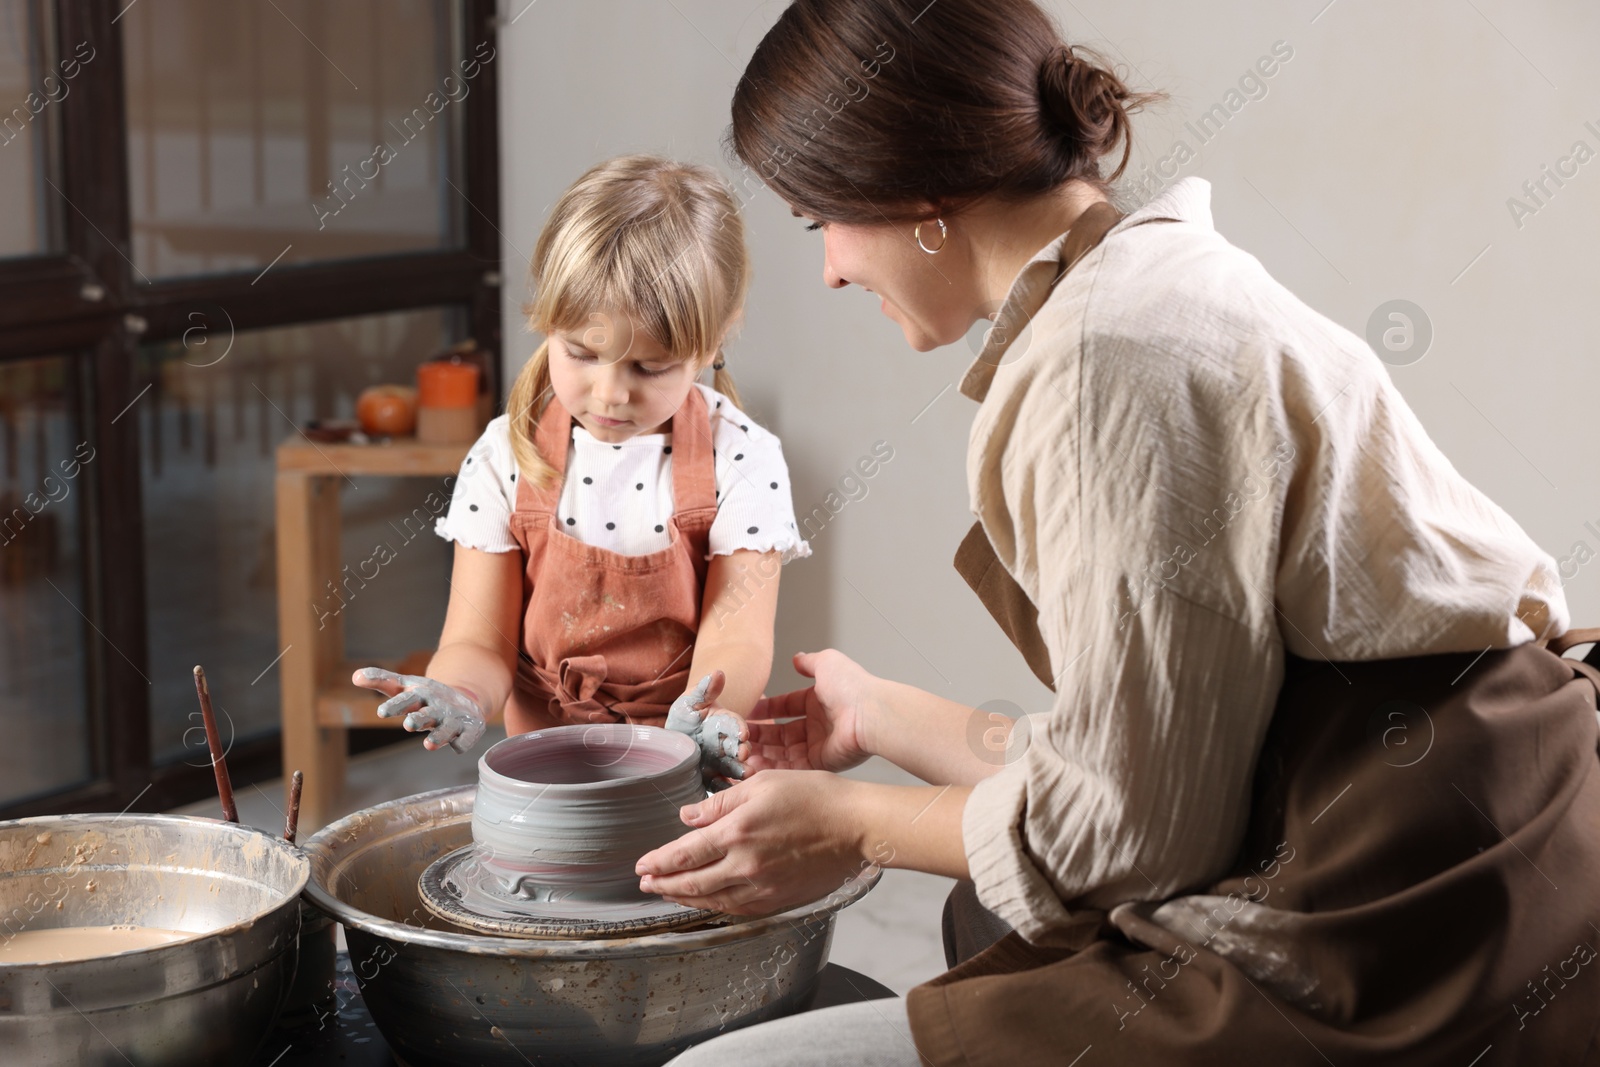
1417	884
1426	853
608	637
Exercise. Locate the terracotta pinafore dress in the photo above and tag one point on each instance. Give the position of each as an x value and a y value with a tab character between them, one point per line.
1446	911
608	637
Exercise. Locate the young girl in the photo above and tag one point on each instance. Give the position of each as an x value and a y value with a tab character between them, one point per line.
619	530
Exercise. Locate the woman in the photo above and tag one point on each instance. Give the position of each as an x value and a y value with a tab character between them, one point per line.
1312	789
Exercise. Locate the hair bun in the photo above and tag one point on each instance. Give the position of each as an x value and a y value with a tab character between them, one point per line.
1083	102
990	102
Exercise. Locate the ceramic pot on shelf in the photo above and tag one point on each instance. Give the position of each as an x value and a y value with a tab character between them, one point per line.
447	402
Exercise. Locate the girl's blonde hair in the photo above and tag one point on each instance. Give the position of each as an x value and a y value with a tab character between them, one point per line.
639	235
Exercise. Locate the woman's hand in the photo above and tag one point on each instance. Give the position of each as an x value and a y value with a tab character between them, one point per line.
453	716
778	840
826	731
719	733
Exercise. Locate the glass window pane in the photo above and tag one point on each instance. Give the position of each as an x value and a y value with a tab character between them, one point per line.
33	84
43	483
290	131
209	428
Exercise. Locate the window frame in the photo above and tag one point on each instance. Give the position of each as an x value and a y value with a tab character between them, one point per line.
82	302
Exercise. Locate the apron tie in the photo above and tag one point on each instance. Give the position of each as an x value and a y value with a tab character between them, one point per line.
574	684
1587	668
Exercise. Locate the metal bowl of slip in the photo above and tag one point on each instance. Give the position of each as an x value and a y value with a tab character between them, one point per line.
442	994
560	818
143	938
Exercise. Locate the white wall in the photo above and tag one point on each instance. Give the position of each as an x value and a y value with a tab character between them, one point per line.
1377	166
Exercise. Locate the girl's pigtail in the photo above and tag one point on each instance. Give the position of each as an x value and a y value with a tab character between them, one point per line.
524	404
722	382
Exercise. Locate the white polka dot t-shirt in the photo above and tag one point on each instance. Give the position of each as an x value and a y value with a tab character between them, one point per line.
619	497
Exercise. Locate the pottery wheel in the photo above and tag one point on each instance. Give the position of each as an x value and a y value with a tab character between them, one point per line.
460	889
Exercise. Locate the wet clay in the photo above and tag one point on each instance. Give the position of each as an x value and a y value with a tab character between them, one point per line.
83	942
564	813
717	734
561	817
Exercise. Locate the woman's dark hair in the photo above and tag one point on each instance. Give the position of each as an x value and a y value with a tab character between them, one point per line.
856	110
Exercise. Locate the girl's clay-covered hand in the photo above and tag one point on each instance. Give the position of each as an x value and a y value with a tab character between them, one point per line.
775	841
820	728
452	715
717	733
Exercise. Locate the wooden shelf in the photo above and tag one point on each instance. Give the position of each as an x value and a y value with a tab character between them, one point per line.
319	703
398	456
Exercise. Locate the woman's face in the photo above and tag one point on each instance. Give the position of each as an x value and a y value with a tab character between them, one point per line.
931	296
615	380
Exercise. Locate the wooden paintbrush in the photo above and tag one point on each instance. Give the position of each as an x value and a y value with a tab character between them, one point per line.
219	763
293	823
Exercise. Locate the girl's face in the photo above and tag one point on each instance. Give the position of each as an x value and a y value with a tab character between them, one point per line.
615	380
932	297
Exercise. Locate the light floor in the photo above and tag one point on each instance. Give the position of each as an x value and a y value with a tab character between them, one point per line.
891	934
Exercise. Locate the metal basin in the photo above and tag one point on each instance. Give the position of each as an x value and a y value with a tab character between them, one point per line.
206	1000
444	996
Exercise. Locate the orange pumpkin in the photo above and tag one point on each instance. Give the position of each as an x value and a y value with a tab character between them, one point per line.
387	410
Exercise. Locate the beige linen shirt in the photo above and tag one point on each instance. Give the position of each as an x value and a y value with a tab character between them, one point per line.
1189	471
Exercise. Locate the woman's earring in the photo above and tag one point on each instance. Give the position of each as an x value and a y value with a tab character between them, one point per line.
944	235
